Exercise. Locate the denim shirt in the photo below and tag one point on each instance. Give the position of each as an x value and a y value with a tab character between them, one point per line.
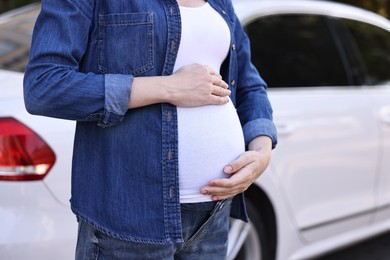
83	59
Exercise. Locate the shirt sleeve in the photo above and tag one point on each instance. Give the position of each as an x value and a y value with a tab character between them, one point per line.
55	84
252	102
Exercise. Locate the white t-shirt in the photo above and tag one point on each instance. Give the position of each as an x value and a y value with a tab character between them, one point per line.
209	136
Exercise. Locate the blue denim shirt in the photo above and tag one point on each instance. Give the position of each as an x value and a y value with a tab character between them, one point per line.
83	59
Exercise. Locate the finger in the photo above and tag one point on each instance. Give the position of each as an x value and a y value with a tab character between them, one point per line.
217	81
234	185
220	192
236	165
216	100
221	92
225	183
211	71
223	196
239	180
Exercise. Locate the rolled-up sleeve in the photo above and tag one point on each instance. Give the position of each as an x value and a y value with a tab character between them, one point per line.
117	98
260	127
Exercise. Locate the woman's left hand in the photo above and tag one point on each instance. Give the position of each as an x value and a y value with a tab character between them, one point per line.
244	170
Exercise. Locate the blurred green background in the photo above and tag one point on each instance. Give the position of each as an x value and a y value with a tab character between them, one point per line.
379	6
6	5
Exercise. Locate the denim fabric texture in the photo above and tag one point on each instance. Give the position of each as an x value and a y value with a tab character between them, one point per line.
205	237
84	57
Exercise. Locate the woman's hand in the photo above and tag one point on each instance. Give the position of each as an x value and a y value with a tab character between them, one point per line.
191	86
244	170
197	85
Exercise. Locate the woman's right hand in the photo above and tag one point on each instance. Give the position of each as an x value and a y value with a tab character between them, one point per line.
197	85
191	86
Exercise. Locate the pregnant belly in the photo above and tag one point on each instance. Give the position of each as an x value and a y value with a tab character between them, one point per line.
209	138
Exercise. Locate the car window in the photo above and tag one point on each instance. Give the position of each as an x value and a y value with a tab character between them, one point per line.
296	51
13	55
15	38
373	44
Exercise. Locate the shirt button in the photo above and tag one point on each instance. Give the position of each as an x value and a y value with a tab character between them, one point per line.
169	116
223	11
169	155
233	47
232	82
172	45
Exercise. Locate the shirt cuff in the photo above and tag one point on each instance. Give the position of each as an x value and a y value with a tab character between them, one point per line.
260	127
117	98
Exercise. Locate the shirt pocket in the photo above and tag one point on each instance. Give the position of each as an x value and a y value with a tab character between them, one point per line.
125	43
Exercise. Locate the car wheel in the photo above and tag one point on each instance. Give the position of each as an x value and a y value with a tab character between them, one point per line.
248	241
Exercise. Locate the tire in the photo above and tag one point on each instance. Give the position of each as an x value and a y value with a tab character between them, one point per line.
256	245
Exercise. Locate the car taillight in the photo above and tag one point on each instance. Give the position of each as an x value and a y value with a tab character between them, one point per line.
24	155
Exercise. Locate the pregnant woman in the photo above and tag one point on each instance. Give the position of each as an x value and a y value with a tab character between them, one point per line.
173	121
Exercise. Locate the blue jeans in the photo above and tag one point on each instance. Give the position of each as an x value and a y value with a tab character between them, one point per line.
205	232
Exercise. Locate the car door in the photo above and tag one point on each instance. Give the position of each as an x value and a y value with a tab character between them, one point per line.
327	154
371	45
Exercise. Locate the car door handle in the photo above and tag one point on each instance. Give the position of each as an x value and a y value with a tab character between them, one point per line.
285	128
386	119
384	115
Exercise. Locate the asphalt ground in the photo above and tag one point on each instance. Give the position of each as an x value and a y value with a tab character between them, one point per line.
377	248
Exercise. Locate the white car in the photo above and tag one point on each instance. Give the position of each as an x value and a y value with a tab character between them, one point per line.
328	184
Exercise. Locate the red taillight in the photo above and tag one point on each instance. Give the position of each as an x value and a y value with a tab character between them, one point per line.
24	155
